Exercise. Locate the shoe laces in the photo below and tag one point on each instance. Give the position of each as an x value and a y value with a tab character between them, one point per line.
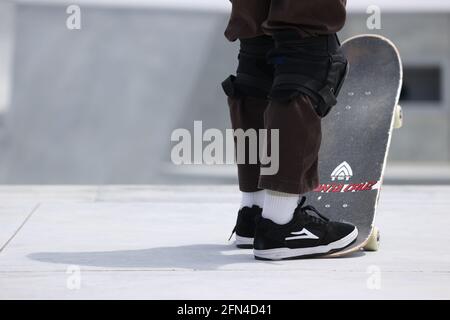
232	233
306	210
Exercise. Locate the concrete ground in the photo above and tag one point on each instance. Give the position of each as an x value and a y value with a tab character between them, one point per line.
124	242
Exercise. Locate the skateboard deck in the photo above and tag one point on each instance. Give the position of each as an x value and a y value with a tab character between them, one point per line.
357	135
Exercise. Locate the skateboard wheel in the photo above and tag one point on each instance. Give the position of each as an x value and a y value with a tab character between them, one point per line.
398	122
373	243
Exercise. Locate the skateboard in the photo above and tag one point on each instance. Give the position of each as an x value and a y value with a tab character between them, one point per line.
356	138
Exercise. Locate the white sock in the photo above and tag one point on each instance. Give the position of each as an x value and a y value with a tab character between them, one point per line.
279	207
250	199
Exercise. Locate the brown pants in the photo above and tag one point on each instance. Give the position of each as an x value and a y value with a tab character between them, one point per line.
298	124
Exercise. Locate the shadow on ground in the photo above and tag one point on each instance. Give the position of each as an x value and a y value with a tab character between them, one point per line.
197	257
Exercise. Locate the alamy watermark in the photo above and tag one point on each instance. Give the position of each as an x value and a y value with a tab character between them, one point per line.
73	281
374	20
214	147
73	21
374	280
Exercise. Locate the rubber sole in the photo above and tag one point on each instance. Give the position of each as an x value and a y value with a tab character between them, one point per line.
244	243
302	253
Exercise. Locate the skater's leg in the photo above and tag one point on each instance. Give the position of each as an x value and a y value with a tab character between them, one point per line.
309	70
299	129
295	111
291	109
248	99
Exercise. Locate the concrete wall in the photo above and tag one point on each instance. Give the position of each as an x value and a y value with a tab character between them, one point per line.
423	40
7	14
98	105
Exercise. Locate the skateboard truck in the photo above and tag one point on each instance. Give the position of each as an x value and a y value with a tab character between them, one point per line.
398	121
373	243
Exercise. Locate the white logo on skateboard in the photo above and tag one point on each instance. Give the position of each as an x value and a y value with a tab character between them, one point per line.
342	172
341	177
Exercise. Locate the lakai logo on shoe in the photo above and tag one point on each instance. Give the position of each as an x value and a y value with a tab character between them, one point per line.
342	172
304	234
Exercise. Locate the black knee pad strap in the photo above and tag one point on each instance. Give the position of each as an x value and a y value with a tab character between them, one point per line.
314	67
254	75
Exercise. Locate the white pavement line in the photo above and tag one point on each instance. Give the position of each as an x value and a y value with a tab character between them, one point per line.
20	227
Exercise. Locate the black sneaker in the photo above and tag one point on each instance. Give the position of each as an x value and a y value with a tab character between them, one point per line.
305	236
245	226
